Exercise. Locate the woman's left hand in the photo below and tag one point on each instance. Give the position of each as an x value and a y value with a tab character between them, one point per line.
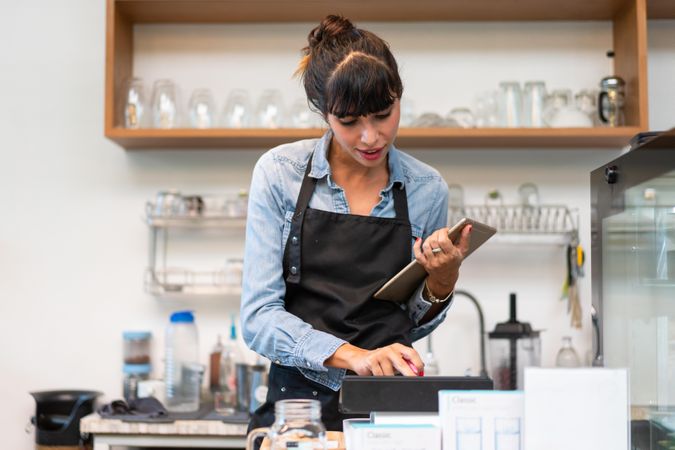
442	264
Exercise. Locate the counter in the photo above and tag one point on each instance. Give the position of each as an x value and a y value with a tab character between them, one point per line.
181	433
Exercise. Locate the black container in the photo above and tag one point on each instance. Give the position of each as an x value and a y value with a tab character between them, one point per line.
514	345
57	417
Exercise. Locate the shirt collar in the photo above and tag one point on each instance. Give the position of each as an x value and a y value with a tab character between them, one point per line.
321	168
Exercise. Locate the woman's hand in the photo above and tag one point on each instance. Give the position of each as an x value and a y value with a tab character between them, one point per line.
441	259
389	360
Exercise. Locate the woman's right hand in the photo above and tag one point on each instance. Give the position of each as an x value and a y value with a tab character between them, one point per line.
389	360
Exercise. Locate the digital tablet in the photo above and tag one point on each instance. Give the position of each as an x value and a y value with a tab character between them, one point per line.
401	286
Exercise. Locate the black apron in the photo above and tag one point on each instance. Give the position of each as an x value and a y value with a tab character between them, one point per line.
333	264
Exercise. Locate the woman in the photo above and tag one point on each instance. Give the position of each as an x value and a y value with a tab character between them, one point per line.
330	220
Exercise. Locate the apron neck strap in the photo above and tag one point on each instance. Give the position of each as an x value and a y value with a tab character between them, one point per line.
306	189
400	201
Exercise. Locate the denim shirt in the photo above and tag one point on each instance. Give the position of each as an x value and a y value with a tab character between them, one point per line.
267	327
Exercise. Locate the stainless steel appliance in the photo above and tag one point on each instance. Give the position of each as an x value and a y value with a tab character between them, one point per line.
633	273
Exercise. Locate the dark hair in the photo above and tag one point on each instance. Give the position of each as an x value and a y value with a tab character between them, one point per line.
347	71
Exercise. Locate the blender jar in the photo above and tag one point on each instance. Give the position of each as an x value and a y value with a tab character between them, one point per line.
514	345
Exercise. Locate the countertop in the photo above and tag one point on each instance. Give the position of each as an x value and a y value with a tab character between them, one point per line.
95	424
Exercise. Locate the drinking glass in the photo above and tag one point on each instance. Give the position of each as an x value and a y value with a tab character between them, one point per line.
555	101
462	117
533	104
509	104
407	112
237	111
567	115
585	100
269	112
301	116
485	109
429	120
201	108
164	104
134	103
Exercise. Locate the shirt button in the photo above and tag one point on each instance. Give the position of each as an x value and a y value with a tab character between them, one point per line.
309	364
277	362
314	393
283	388
294	270
294	240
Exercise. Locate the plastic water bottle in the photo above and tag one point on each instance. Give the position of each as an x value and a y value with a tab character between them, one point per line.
183	371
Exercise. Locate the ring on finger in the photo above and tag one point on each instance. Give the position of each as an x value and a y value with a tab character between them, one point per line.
436	250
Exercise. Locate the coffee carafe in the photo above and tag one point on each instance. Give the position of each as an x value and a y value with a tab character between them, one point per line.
611	101
514	345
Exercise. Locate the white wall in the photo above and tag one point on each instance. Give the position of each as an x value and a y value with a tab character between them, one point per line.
73	246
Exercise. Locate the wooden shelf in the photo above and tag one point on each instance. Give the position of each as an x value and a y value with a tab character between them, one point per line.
408	138
224	11
628	17
661	9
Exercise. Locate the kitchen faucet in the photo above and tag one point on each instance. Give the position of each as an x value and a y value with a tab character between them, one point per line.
481	320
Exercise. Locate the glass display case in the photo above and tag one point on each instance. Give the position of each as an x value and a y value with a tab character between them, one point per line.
633	269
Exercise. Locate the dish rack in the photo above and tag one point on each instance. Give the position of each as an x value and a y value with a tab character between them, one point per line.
519	219
528	221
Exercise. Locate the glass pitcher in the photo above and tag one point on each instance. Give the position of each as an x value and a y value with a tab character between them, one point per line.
297	425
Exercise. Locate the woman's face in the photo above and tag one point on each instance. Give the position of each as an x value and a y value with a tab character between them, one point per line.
367	139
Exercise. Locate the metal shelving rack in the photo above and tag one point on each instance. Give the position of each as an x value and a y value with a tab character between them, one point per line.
212	213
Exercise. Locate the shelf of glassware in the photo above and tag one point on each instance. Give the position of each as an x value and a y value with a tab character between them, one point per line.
188	138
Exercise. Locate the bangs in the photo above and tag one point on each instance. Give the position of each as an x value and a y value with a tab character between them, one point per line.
361	85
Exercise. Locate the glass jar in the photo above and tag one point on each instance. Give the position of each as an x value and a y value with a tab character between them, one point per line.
136	347
133	374
297	425
611	101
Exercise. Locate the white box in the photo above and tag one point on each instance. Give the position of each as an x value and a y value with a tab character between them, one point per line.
579	409
481	420
361	434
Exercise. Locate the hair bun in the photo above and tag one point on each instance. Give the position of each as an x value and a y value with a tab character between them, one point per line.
329	28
